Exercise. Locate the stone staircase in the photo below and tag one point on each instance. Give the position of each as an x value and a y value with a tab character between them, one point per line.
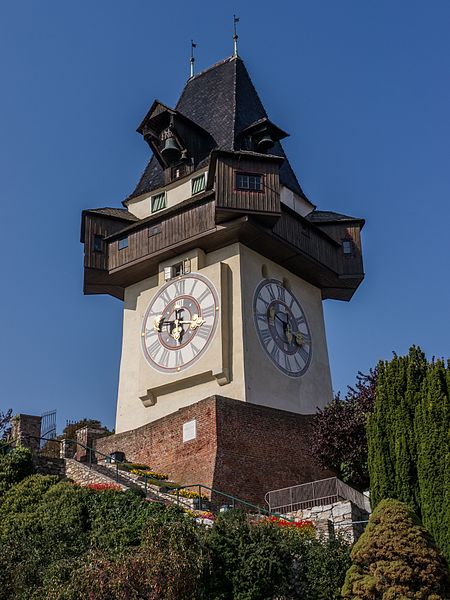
85	474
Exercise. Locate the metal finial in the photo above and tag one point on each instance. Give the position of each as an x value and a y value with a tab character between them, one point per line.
235	36
192	61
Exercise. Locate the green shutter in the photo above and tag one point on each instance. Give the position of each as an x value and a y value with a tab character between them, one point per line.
159	202
198	184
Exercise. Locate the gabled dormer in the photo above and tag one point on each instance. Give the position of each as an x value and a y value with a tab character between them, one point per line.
178	144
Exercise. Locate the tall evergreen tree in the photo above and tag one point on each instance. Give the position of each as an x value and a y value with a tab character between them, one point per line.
432	434
390	429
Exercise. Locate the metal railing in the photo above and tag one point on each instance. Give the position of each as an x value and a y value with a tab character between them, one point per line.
120	472
314	493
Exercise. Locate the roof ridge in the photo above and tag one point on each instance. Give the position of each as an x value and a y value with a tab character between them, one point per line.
233	130
214	66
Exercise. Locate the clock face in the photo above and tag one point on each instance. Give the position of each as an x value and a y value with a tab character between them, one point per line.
179	323
282	327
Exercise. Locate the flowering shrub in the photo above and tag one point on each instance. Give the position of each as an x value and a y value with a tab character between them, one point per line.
206	515
149	473
279	522
101	487
188	494
130	466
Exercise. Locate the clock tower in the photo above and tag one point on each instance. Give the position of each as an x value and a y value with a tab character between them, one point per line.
222	264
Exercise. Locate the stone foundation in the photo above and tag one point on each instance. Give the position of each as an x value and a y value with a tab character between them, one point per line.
236	447
341	517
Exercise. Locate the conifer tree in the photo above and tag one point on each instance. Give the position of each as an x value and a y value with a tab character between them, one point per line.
396	558
432	434
390	429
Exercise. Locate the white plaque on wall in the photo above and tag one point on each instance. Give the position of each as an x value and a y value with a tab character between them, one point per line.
189	430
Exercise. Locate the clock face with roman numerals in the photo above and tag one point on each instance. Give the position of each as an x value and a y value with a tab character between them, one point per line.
179	323
282	327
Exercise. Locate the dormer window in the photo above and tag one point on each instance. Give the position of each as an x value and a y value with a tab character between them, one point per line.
250	182
198	184
158	202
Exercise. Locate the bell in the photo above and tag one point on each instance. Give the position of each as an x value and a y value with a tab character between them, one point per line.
265	143
171	151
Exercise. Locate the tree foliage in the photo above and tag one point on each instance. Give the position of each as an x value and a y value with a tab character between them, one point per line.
408	439
339	432
250	560
5	423
61	541
14	466
432	437
396	558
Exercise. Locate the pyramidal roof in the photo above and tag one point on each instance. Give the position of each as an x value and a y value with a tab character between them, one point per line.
224	102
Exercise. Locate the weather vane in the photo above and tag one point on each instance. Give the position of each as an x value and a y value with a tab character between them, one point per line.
192	61
235	36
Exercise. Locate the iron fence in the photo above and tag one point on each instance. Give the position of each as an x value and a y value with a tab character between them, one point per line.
314	493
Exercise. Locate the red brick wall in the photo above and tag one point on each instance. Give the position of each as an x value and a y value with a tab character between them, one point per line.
242	449
160	444
262	449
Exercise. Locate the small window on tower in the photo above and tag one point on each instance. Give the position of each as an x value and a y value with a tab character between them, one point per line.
347	247
98	243
198	184
159	202
123	243
251	182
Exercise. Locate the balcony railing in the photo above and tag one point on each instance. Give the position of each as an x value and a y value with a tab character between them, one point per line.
314	493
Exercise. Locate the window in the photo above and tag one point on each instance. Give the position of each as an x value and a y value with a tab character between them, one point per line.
178	171
251	182
159	202
98	243
198	184
347	246
123	243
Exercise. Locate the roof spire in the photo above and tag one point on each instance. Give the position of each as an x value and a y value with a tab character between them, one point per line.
235	36
192	61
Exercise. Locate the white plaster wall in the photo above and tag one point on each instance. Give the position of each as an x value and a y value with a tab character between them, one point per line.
131	412
177	192
265	384
253	377
297	203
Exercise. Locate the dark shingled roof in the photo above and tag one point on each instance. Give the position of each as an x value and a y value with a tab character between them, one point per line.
224	102
327	216
119	213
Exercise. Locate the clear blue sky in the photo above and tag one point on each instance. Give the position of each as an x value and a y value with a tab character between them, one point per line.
362	87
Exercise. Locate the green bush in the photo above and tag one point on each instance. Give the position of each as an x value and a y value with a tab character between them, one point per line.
14	466
252	561
60	541
396	558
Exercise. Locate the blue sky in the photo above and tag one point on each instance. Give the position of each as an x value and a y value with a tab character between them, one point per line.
362	87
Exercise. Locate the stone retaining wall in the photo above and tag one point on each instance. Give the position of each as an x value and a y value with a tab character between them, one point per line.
340	518
45	465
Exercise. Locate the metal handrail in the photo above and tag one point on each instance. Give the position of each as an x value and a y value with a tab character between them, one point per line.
259	509
314	493
199	486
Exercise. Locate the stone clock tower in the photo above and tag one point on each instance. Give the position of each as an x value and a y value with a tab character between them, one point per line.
222	263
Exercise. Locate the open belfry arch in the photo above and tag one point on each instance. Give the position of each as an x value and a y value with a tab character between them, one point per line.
222	263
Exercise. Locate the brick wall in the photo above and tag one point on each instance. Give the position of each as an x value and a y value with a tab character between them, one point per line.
242	449
160	444
262	449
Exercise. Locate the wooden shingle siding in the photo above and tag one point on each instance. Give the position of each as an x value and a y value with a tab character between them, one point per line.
172	230
228	197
